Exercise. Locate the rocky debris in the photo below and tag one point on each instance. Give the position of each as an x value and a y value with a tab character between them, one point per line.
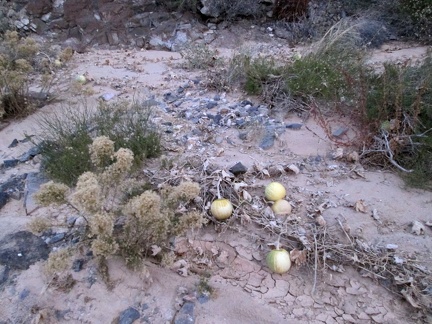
3	199
223	9
38	8
25	157
128	316
340	131
30	154
210	113
22	249
12	188
143	23
57	237
77	265
268	140
186	314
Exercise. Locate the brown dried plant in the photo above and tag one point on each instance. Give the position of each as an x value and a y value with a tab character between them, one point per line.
121	224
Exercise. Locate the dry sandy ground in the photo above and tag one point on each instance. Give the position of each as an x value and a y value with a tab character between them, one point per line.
244	291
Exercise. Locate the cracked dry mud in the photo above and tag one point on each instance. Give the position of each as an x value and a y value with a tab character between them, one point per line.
243	288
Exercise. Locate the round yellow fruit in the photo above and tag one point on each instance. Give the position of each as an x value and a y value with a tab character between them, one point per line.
221	209
275	191
279	261
81	79
281	207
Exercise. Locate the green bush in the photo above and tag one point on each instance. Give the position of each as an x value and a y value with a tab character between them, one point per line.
259	72
421	164
315	77
400	100
67	135
419	14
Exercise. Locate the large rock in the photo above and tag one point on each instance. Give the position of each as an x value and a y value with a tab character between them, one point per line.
14	186
22	249
211	9
128	316
73	9
38	8
231	8
140	6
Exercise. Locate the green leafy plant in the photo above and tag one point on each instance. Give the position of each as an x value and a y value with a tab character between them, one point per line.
258	72
419	14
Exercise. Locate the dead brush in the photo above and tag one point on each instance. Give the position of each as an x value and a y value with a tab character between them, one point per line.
312	243
199	56
399	100
331	248
24	64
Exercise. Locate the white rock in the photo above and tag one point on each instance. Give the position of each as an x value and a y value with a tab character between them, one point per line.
391	246
46	17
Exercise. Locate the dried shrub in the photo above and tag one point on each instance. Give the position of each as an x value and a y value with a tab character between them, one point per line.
227	76
121	224
58	262
87	195
399	106
101	151
290	9
51	193
20	58
39	225
199	56
184	192
181	5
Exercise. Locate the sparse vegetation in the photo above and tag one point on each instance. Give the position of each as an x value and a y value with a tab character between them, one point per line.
67	136
21	58
17	58
199	56
393	106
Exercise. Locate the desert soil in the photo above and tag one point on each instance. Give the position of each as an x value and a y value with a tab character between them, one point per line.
243	289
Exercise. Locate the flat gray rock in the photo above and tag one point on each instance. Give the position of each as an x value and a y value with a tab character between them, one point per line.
22	249
128	316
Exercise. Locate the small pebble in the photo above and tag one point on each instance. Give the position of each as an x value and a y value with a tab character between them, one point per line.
294	126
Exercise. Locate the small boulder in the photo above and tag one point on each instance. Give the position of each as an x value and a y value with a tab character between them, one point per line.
238	169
